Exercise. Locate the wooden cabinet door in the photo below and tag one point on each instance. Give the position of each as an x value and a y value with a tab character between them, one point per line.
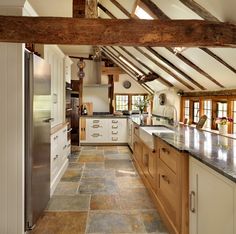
211	201
138	150
148	165
82	129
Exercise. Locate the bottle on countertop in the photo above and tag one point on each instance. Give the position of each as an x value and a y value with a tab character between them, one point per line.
85	112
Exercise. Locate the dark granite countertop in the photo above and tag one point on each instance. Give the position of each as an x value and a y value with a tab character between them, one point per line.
107	116
217	152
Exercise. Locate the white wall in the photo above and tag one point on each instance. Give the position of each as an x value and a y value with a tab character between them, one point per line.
98	96
172	100
12	133
135	87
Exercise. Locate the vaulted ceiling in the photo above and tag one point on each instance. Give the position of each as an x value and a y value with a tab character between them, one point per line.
192	69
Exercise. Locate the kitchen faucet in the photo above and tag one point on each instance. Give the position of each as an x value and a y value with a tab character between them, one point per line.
174	119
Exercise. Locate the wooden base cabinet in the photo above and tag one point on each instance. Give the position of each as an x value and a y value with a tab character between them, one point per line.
211	201
172	186
165	174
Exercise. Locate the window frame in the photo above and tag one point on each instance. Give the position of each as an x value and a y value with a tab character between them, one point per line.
214	99
129	99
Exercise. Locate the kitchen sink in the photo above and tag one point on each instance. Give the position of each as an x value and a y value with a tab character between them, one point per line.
145	133
156	129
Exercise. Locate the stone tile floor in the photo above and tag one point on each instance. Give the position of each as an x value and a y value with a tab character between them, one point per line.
100	193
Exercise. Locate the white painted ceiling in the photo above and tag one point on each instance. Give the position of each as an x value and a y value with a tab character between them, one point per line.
174	9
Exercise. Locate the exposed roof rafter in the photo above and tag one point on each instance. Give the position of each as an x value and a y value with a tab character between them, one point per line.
163	16
125	67
167	70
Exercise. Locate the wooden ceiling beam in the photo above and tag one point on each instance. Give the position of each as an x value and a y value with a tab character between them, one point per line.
72	31
164	60
79	8
126	68
161	79
226	92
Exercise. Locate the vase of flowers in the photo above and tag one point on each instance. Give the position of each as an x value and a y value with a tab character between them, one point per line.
223	124
141	104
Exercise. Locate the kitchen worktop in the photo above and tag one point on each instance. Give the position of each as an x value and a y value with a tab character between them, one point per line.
217	152
107	116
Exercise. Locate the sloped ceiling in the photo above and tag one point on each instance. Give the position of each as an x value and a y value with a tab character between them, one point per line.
191	70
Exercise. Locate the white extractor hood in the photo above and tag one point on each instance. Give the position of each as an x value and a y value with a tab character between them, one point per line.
93	75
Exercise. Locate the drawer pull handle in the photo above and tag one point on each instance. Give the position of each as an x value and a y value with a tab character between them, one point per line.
192	202
114	126
64	146
97	126
114	138
55	157
69	130
114	132
96	135
95	121
165	178
114	121
54	138
165	150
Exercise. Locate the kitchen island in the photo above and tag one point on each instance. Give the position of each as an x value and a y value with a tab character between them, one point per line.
177	171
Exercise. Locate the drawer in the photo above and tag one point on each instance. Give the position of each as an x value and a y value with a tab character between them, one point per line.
168	155
168	190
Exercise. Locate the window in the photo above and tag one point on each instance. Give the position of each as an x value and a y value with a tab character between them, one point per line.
234	117
186	109
122	102
135	99
207	110
127	101
196	112
221	109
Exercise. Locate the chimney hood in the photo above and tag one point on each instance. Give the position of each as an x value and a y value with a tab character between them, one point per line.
93	75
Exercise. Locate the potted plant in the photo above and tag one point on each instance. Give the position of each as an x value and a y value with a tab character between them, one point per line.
141	104
223	124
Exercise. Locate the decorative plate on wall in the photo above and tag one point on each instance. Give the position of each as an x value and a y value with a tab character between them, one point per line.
127	84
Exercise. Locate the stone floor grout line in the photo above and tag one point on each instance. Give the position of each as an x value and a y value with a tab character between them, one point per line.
83	168
87	220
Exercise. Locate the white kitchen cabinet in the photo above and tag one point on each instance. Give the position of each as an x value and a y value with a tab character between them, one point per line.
211	201
117	131
68	62
55	57
96	130
59	154
105	130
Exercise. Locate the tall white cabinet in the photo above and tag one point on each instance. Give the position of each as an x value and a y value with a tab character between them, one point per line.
55	57
212	201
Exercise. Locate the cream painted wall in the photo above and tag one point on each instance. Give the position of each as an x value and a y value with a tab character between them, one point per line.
98	96
12	131
135	87
172	100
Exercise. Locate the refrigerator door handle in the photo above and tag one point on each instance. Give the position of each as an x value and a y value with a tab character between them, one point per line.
48	120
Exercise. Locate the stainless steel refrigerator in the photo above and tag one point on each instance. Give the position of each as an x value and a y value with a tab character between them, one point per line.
37	137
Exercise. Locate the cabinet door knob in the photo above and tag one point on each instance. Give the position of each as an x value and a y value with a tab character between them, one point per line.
192	202
165	178
165	150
